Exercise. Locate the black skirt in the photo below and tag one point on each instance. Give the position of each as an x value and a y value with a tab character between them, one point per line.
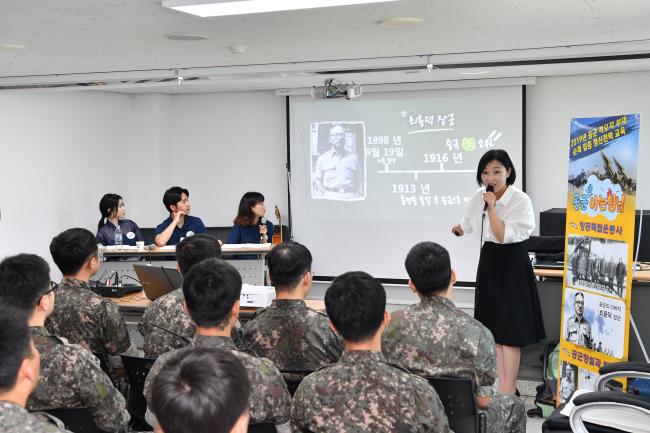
506	299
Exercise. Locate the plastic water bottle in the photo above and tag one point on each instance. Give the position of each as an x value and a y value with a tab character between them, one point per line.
118	235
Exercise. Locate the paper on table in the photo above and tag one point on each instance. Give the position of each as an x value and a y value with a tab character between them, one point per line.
120	247
239	246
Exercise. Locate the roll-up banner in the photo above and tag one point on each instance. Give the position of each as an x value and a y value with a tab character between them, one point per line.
599	254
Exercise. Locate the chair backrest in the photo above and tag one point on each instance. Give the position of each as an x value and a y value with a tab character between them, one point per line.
77	420
264	427
148	234
457	396
220	233
103	364
293	378
136	371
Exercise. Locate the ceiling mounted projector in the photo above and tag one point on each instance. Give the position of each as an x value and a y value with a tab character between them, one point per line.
336	90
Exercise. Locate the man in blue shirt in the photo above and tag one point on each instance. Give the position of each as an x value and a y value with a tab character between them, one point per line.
180	224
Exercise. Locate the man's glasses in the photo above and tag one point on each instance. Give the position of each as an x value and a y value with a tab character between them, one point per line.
53	288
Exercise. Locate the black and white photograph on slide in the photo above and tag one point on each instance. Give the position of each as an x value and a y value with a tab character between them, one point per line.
568	381
598	264
338	165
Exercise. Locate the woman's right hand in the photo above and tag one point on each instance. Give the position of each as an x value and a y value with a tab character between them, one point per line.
457	230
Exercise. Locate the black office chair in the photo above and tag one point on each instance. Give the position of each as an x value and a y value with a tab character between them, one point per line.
264	427
457	396
77	420
148	235
220	233
606	396
136	371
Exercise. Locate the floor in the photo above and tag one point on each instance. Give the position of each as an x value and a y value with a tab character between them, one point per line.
527	390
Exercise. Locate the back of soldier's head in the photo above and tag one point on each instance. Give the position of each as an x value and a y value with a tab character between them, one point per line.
195	249
15	344
429	268
288	263
202	390
24	278
72	248
211	287
355	304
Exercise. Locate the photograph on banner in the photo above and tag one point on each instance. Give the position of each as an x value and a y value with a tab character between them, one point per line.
603	162
598	265
587	379
568	381
594	322
338	161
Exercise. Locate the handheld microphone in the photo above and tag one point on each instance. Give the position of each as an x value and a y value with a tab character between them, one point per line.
262	237
489	188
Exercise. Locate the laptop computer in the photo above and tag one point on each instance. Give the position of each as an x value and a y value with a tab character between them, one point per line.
157	281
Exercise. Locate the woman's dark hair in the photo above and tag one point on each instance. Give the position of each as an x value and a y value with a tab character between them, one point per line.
245	215
107	205
496	155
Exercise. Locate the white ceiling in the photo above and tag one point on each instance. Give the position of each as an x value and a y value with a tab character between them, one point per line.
83	41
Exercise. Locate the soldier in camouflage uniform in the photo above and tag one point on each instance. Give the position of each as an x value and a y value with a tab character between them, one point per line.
292	335
167	311
80	315
202	388
212	289
434	338
19	375
70	375
363	392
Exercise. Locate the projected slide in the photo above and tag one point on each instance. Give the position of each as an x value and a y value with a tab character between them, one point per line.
399	164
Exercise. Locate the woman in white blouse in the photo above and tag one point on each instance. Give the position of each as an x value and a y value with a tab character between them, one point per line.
506	299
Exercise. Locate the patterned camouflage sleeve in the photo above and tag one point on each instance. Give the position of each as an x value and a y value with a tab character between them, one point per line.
148	386
143	323
155	369
238	335
116	335
46	424
98	394
276	404
486	365
300	407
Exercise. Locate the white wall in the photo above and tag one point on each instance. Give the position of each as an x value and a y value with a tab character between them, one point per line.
61	151
551	104
58	151
225	144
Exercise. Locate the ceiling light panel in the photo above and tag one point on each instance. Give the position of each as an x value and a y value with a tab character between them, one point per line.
204	8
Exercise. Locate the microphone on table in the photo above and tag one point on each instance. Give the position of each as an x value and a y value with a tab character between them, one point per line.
489	188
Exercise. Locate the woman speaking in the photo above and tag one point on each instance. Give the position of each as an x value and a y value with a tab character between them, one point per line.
250	226
506	299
